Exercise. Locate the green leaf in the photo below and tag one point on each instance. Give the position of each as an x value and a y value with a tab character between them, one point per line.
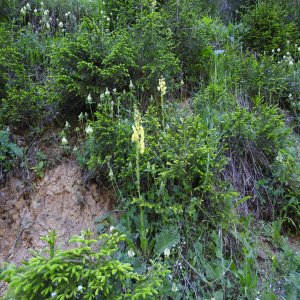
167	238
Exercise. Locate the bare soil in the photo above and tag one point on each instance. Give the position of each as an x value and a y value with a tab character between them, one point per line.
60	201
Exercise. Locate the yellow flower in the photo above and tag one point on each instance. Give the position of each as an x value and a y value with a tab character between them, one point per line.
135	135
162	87
142	140
138	134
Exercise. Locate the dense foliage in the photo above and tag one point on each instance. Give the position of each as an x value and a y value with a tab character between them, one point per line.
83	273
191	117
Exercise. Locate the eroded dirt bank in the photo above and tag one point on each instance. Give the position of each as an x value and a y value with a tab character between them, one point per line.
60	201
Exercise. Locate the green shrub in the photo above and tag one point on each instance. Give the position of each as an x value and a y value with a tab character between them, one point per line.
177	165
23	66
9	58
96	58
96	268
284	184
89	62
9	153
269	28
8	8
193	38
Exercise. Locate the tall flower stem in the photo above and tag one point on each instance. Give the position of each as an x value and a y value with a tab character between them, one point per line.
138	138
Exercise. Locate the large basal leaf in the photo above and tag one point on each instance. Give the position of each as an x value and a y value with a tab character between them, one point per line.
167	238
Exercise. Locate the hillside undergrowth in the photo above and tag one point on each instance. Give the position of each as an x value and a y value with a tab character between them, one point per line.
192	120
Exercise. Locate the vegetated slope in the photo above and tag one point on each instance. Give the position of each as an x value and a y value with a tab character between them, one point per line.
204	194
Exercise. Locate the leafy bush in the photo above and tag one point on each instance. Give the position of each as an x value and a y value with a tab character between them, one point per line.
95	268
9	57
90	62
170	175
192	33
8	8
9	153
97	58
22	65
269	27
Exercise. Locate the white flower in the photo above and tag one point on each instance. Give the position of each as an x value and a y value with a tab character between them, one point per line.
108	19
290	96
67	125
174	288
48	25
167	252
298	48
61	24
217	52
64	141
288	53
107	92
131	86
35	10
273	50
23	11
131	253
288	42
279	157
75	148
79	288
89	130
291	63
111	173
278	49
114	90
53	294
28	6
89	99
50	19
81	116
42	3
46	12
111	228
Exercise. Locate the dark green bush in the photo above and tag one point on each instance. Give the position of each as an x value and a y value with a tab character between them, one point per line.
177	165
96	58
8	8
268	27
89	62
9	58
23	64
193	37
9	153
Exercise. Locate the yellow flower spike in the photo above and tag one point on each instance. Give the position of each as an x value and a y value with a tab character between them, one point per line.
138	134
142	140
162	87
135	136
